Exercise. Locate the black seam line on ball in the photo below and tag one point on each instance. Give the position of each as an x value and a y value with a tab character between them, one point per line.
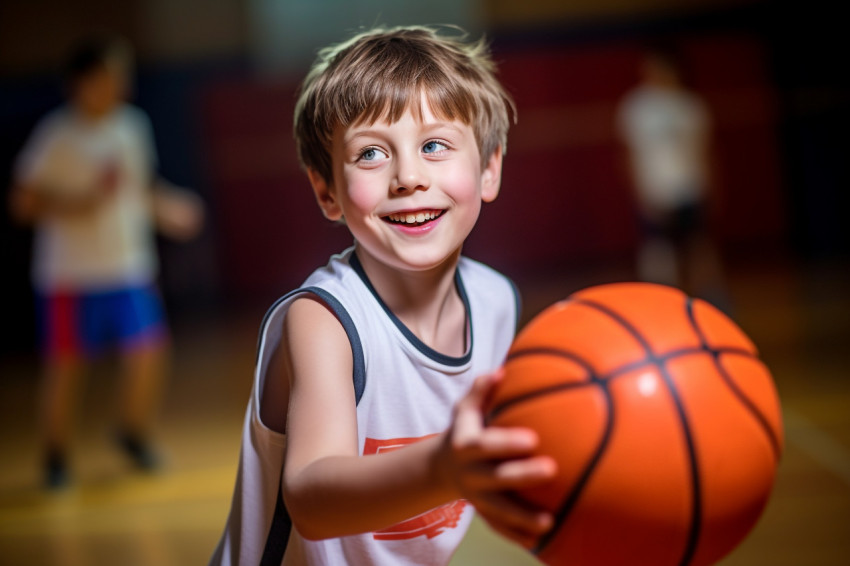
669	356
505	405
594	378
571	500
591	378
672	355
724	374
696	488
554	352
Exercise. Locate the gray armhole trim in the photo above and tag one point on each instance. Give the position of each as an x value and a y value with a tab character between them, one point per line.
281	525
359	369
517	303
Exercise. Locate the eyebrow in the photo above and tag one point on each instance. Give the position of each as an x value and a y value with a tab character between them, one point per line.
369	131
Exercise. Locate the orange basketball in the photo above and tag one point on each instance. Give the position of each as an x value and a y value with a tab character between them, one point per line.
665	425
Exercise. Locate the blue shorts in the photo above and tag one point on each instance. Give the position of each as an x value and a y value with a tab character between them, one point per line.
84	323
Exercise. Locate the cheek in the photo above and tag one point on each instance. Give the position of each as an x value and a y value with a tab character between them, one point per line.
463	183
360	193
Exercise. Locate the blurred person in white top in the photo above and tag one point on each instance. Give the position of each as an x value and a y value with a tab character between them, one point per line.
666	129
86	182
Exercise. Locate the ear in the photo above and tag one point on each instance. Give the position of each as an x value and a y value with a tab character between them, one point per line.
491	176
324	195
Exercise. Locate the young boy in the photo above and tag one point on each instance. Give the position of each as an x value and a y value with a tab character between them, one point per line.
363	442
85	179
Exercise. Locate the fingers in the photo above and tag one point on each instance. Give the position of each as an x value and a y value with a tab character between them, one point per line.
508	475
528	472
481	389
468	423
494	443
486	464
468	412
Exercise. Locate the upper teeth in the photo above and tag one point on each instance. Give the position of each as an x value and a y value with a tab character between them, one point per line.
412	218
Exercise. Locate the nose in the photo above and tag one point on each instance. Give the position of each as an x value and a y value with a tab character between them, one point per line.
410	175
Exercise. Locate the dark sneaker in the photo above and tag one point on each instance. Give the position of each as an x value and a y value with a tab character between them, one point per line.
140	452
56	475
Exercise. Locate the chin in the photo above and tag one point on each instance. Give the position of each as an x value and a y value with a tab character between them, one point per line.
427	262
412	258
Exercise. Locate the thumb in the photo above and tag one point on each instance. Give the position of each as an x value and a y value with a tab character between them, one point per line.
469	419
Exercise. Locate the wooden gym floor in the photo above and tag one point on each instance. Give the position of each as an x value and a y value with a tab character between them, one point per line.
798	316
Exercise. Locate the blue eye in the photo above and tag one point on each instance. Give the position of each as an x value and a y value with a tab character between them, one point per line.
371	155
433	147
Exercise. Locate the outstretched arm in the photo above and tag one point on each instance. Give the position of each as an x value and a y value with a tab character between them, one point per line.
30	202
332	491
178	212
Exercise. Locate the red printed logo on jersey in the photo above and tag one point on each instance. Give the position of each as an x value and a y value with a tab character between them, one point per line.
430	523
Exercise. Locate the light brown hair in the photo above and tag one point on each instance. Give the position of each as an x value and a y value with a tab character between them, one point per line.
381	73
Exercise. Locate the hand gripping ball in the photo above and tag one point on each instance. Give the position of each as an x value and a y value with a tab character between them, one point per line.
665	425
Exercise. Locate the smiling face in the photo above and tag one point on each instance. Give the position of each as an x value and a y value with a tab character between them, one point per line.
409	191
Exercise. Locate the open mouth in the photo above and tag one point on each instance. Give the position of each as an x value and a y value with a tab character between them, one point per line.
418	218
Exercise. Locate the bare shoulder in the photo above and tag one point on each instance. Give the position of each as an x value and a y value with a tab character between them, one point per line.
311	318
313	355
316	344
322	418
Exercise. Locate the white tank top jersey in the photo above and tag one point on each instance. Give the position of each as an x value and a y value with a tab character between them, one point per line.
404	390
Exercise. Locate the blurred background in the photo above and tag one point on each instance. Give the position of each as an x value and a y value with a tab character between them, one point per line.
218	77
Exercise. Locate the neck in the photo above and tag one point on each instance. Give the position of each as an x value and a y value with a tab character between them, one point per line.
92	115
426	301
664	83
